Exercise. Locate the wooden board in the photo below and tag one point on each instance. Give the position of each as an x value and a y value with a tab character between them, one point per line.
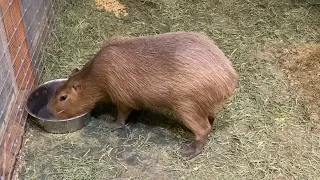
18	57
13	135
18	47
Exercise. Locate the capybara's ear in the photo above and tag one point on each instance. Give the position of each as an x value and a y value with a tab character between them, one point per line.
74	70
77	86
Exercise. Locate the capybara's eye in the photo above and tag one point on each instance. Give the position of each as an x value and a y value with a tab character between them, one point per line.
62	98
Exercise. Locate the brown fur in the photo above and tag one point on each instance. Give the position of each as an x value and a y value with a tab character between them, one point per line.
184	72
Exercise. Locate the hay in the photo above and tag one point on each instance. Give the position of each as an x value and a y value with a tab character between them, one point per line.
112	6
301	63
263	133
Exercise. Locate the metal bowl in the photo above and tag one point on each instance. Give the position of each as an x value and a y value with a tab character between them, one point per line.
37	101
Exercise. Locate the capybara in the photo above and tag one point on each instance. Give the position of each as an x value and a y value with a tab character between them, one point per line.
183	72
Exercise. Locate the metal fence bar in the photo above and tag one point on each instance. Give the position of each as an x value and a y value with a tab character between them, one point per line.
16	113
5	11
20	21
8	98
12	88
15	58
21	101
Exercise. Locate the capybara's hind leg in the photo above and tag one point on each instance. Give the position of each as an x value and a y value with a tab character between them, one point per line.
201	127
123	114
213	114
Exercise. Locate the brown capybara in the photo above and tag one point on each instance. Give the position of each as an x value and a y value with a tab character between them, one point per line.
184	72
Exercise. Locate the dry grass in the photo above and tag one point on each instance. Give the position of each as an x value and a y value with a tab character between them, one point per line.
112	6
301	63
264	132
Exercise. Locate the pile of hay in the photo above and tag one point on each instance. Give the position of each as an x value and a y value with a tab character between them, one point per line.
301	63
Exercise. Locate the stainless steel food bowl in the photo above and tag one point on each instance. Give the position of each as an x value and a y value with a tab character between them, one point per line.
36	103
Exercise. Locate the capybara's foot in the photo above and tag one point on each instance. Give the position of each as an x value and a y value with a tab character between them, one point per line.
116	126
120	122
192	150
200	126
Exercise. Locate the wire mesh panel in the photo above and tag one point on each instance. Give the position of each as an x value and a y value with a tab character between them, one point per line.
24	28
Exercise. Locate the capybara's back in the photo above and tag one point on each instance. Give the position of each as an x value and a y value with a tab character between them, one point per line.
184	72
169	70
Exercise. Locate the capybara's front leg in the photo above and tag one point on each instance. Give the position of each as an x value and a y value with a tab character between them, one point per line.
211	119
123	114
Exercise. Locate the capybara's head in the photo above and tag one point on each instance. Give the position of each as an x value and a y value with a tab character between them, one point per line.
67	101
